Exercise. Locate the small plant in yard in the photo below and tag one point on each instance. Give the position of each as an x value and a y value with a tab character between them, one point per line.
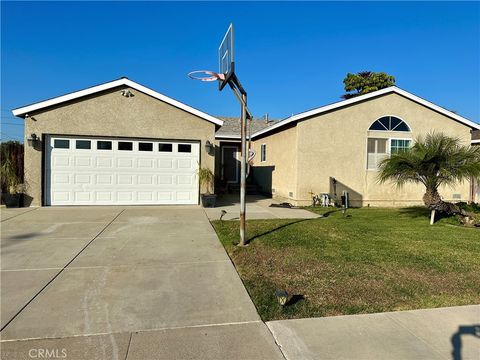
206	178
433	161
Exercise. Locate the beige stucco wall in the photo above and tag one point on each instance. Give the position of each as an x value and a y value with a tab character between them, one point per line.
111	114
334	145
278	174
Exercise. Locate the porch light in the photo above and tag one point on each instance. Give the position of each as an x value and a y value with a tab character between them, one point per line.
282	297
32	140
208	147
126	93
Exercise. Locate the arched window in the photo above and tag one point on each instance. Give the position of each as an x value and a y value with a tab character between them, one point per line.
389	123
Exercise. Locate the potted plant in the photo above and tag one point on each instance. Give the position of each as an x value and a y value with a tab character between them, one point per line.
205	176
11	181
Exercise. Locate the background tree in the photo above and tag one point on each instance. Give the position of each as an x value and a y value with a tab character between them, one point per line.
365	82
11	164
433	161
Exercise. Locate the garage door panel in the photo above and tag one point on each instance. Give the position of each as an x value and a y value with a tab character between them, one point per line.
81	173
104	196
125	163
61	178
83	161
104	179
185	180
82	196
125	179
61	161
82	179
143	163
165	164
104	162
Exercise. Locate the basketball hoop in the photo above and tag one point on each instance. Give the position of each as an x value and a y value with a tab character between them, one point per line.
206	75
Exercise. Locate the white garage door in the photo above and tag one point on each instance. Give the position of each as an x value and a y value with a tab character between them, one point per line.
105	171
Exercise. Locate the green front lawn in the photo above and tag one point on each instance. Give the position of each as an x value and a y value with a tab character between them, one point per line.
371	260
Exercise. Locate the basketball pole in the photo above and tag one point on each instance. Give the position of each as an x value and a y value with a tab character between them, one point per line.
241	95
243	172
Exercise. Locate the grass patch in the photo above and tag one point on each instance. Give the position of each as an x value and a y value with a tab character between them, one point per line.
371	260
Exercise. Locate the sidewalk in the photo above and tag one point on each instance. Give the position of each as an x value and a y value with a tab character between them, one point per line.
444	333
258	207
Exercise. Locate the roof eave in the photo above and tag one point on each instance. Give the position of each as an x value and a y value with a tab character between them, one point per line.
340	104
23	111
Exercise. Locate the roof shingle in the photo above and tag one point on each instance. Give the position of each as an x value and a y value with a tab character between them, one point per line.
231	126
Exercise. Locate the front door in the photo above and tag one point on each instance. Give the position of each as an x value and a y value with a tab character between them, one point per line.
230	164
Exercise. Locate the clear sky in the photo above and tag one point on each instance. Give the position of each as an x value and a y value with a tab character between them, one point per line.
290	57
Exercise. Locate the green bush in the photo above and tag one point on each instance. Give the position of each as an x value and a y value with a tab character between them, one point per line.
473	207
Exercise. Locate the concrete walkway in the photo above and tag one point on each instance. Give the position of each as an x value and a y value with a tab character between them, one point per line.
123	283
445	333
258	207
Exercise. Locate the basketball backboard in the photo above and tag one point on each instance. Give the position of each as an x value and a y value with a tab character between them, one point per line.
225	57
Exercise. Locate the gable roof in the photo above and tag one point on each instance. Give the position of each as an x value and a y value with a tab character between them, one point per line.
391	89
231	127
22	111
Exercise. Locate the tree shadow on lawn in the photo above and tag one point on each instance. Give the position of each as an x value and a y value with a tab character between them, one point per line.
419	212
415	212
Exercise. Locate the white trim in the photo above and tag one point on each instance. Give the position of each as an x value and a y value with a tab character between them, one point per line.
397	138
391	115
237	165
476	141
109	85
391	89
236	137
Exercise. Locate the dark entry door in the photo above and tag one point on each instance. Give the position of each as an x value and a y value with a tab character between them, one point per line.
230	164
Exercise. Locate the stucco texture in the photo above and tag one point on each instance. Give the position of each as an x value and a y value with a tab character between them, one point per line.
111	114
278	174
334	145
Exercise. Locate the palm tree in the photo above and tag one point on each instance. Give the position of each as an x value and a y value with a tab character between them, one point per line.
433	160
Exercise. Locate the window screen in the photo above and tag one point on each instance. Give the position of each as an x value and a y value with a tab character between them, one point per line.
376	152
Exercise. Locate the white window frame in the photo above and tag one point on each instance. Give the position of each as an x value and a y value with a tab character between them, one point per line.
395	131
395	138
389	147
263	146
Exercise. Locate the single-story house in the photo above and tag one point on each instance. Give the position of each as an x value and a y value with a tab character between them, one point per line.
115	143
123	143
337	148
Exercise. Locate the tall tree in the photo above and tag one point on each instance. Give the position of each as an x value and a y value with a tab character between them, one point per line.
434	160
365	82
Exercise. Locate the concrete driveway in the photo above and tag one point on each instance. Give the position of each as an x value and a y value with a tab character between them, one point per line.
104	282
